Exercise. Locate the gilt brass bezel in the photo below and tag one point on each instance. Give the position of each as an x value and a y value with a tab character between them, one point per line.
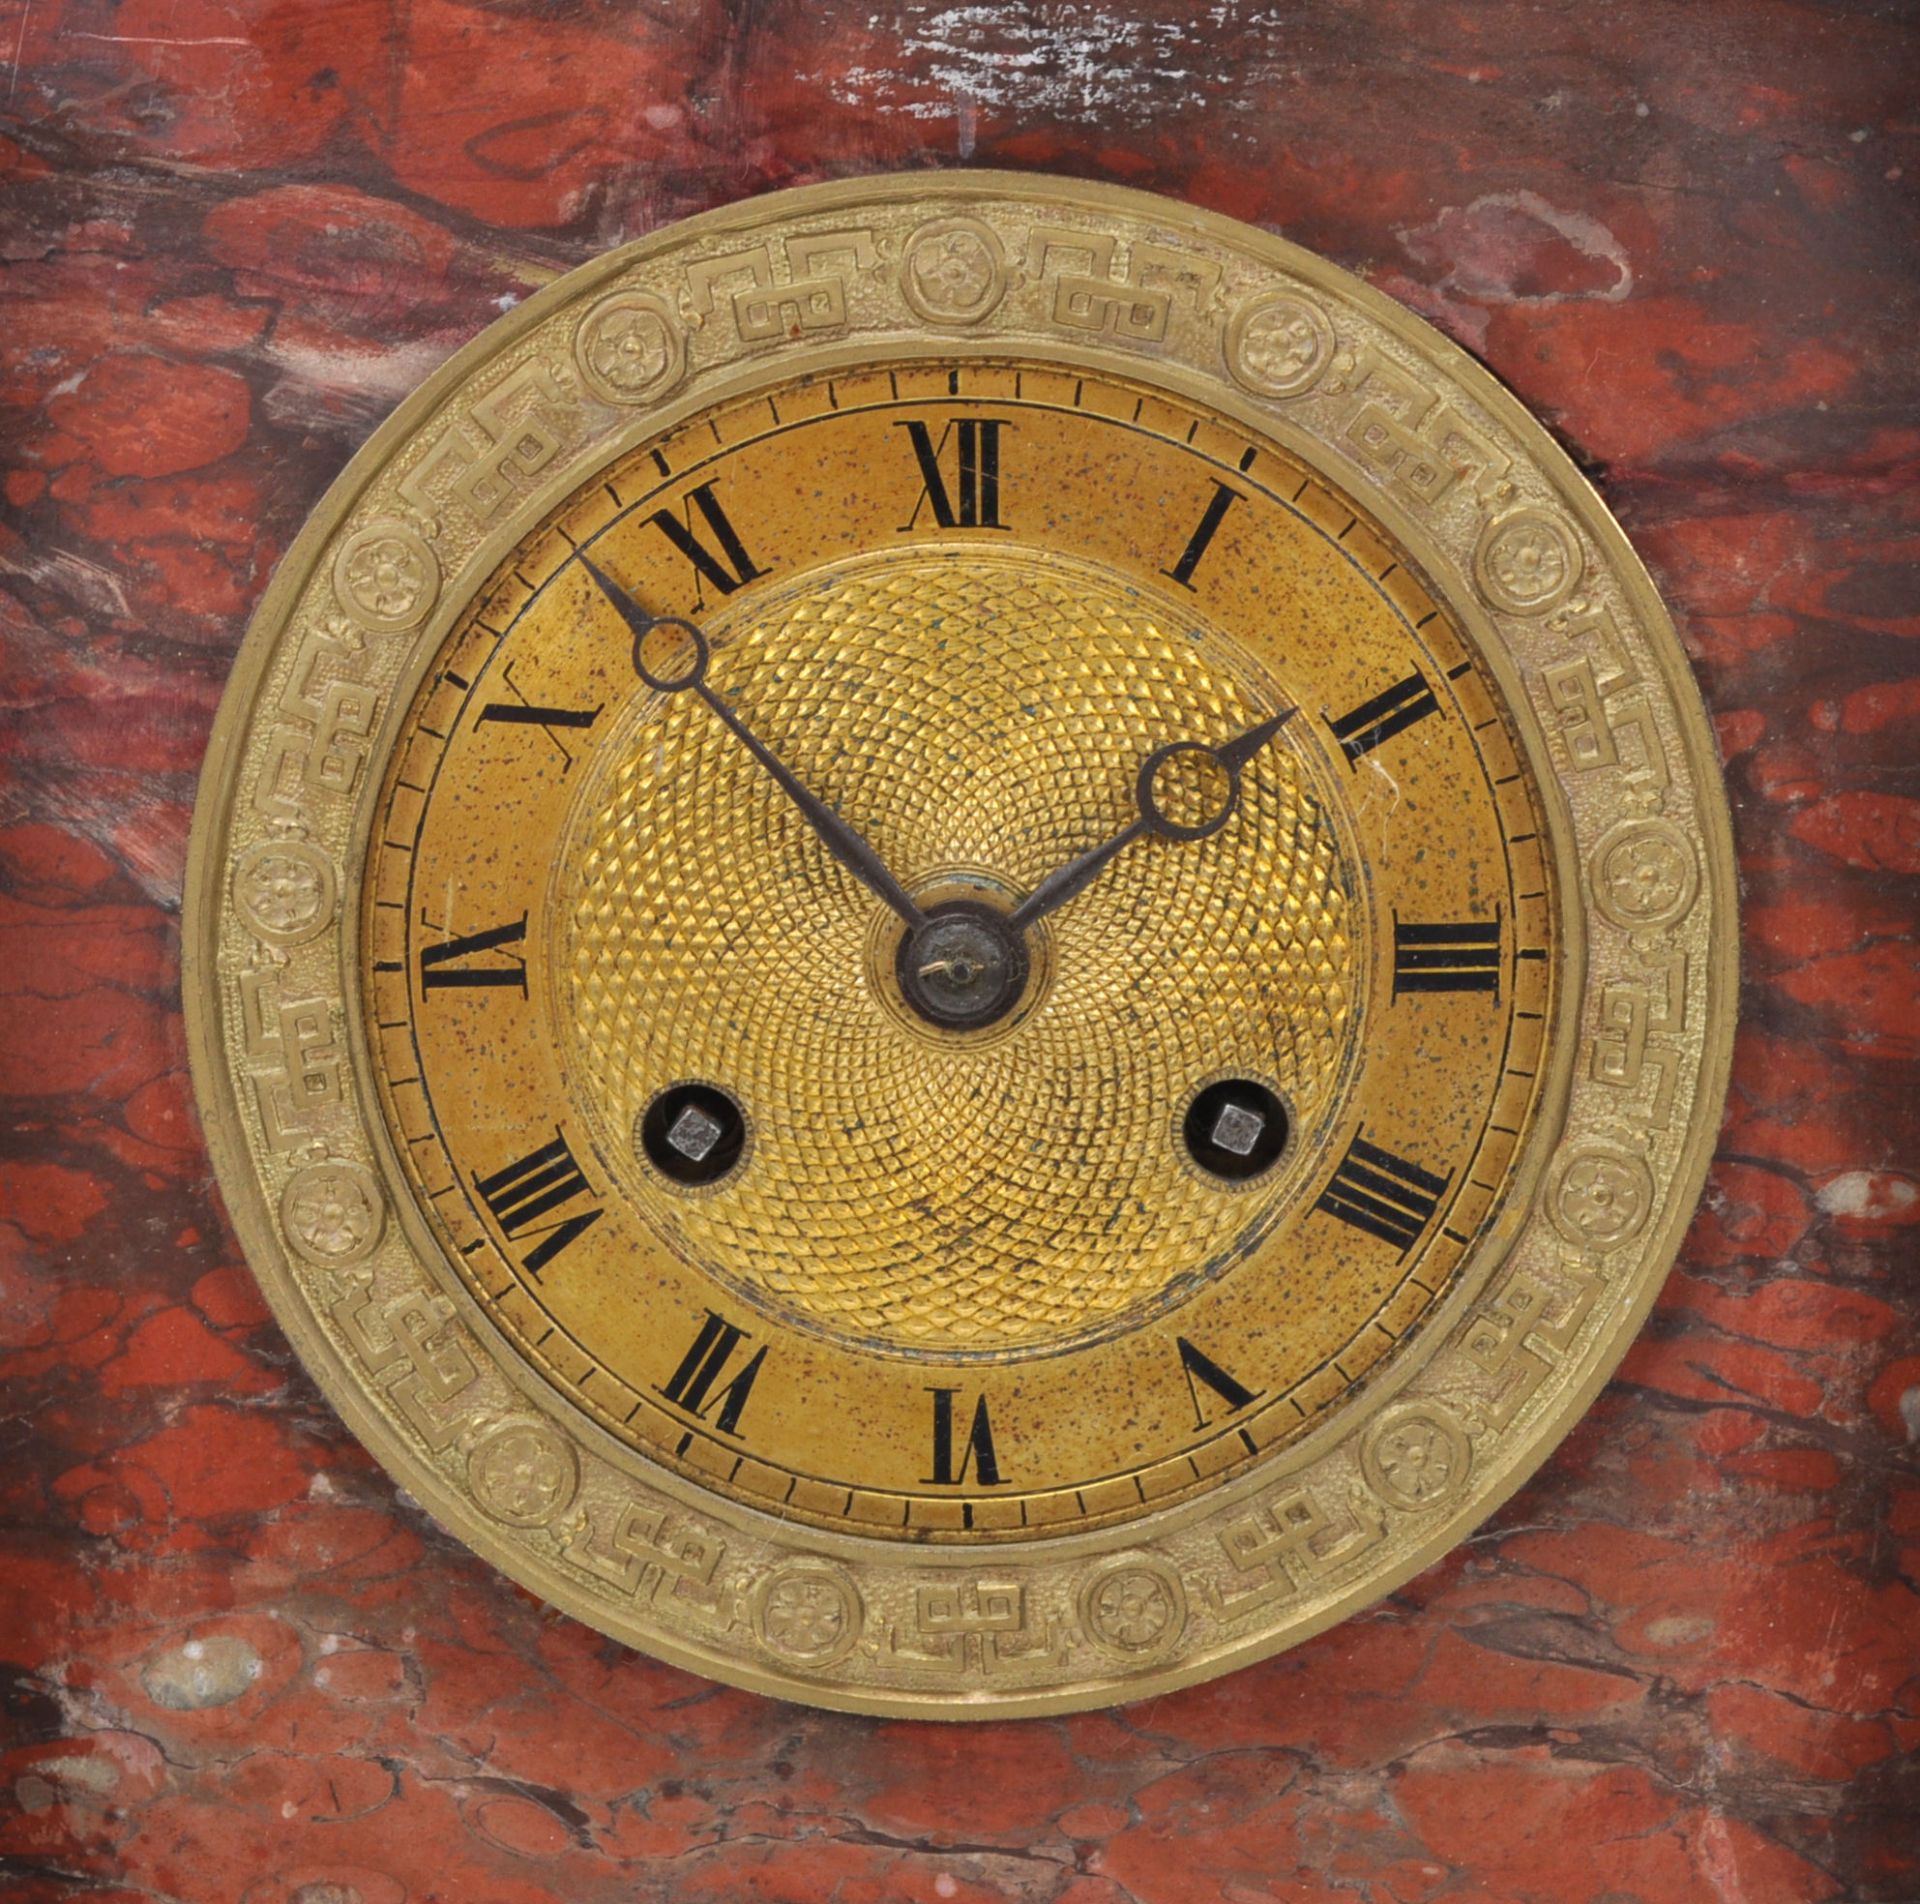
1505	530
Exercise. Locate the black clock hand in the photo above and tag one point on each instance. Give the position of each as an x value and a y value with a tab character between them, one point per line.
1078	874
841	840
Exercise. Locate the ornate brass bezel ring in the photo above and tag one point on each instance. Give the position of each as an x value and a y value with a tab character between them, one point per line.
965	264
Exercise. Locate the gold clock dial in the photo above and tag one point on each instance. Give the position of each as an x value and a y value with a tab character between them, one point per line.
960	1282
961	944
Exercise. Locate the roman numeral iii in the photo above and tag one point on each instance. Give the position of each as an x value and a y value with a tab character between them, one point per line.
972	499
462	963
727	568
526	1199
1463	956
975	1452
1385	1195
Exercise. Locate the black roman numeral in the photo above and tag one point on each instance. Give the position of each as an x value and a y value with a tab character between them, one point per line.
1384	1195
442	969
977	1451
529	1191
1462	957
526	714
973	502
727	570
1386	715
520	712
1201	1370
693	1384
1216	511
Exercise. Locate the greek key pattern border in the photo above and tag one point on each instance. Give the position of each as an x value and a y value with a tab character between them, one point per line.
963	263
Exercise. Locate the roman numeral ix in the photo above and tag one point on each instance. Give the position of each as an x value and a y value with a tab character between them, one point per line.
520	712
696	1384
534	1188
526	714
973	499
728	568
1386	715
1385	1195
444	967
976	1451
1462	956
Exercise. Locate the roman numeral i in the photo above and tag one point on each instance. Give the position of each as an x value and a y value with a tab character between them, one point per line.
1202	538
551	721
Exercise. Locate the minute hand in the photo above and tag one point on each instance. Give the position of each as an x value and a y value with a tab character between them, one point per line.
1078	874
840	839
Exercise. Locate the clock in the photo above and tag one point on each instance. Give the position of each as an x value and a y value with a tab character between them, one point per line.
961	944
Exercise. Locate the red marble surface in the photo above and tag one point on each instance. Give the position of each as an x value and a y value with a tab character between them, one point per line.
1681	1665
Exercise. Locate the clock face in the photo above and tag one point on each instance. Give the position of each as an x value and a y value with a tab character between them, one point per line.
959	1280
963	941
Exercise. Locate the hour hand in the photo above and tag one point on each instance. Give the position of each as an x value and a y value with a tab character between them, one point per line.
840	839
1078	874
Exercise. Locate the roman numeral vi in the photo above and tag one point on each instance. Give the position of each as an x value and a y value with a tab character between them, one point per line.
976	1451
